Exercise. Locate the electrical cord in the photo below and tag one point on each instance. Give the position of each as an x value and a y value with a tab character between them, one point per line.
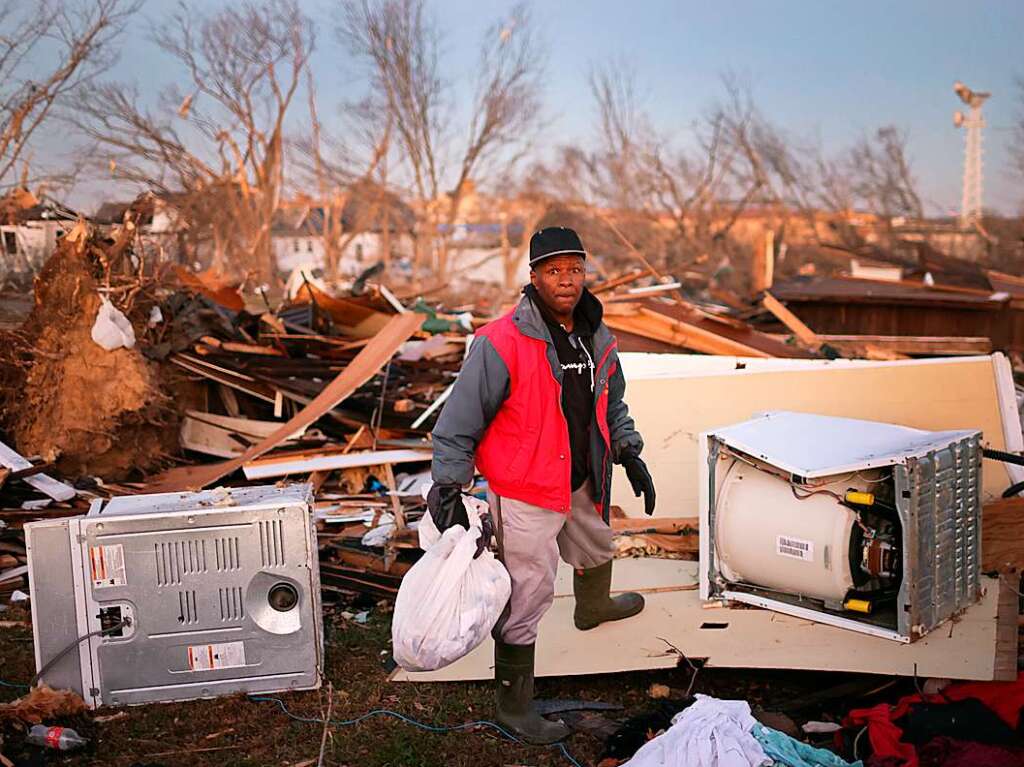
401	717
99	632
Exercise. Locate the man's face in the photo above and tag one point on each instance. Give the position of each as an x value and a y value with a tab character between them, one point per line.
559	282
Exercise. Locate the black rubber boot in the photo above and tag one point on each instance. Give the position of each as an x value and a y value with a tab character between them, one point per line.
594	604
513	673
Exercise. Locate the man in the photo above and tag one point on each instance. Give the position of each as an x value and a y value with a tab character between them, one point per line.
538	408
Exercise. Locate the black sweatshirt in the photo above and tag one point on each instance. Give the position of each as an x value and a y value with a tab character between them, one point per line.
576	355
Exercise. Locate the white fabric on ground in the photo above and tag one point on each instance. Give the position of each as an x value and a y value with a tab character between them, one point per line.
710	733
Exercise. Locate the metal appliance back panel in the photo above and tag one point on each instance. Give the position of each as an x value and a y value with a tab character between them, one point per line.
196	585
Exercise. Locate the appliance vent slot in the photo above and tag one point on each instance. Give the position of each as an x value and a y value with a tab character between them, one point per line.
175	559
231	605
272	542
226	553
187	612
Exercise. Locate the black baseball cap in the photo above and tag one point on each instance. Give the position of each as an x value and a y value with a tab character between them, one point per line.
554	241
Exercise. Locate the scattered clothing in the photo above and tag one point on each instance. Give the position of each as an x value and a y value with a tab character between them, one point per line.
794	753
710	733
968	719
640	728
1006	699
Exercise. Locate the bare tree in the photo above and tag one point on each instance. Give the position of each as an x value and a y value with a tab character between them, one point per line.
399	42
735	159
881	176
331	162
49	50
219	143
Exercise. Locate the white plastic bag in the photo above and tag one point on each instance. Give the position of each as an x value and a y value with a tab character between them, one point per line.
448	602
112	330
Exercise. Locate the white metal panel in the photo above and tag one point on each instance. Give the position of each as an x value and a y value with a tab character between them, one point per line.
811	445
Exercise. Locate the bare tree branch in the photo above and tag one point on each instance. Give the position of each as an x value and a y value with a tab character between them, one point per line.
75	40
218	147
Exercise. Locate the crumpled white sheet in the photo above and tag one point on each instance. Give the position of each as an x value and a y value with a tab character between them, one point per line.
710	733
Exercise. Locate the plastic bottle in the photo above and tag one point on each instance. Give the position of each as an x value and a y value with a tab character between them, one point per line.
61	738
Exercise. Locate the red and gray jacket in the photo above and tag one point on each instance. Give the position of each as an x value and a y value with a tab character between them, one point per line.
505	413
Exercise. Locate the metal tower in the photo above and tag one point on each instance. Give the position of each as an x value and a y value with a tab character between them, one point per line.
973	122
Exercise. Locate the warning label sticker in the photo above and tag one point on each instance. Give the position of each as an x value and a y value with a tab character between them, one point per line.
106	565
797	548
207	657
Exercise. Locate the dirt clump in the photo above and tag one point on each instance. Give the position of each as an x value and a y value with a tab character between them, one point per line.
90	411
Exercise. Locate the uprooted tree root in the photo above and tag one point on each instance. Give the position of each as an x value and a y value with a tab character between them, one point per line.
91	411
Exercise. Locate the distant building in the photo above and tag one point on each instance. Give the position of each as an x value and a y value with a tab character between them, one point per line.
373	220
30	229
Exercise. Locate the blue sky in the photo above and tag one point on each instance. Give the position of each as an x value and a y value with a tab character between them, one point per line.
829	69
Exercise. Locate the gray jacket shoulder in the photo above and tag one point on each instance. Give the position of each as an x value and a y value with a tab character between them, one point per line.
479	391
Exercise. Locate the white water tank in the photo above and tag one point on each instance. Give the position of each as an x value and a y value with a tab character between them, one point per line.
766	537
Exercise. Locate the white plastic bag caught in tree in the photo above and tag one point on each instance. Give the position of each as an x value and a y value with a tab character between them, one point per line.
112	330
448	602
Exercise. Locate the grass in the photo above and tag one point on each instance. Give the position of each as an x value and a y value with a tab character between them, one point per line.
239	732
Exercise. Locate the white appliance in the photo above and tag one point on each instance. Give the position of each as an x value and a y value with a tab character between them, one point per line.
177	596
867	526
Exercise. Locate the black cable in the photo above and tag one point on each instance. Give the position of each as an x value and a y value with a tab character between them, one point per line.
1002	455
99	632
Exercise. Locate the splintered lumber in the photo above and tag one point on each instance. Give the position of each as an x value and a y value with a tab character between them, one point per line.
938	346
361	369
655	525
651	324
804	334
623	279
224	436
304	463
44	483
353	318
221	375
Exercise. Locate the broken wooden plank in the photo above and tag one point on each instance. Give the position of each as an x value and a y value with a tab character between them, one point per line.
804	334
624	279
939	346
304	463
660	327
44	483
362	368
225	436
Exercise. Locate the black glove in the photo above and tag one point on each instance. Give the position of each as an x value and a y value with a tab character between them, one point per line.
444	502
640	479
486	531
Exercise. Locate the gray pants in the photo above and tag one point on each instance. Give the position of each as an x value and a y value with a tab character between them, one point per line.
530	540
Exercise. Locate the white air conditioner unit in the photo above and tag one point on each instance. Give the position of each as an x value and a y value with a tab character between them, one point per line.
867	526
178	596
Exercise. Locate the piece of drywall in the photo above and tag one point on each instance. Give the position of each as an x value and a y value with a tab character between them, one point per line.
936	394
971	648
